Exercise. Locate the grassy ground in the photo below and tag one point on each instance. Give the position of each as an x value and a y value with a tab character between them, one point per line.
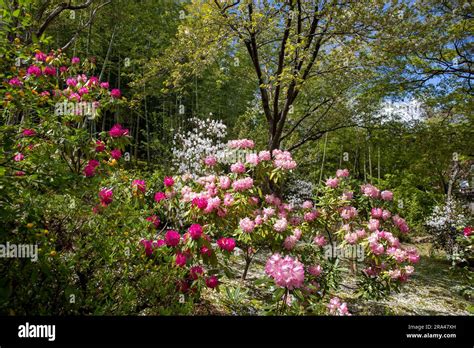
434	289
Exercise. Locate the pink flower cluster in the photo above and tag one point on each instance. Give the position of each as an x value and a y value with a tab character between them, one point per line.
242	184
139	186
401	224
286	272
336	307
118	131
241	144
89	169
227	244
283	160
105	196
370	191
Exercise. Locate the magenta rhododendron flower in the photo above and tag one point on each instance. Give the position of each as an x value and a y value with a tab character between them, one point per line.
332	182
348	213
386	195
104	85
71	82
40	56
195	272
180	259
172	238
154	220
204	250
29	132
19	157
34	70
342	173
116	154
159	196
118	131
224	182
286	272
212	282
99	146
139	185
15	82
105	196
148	246
467	231
115	93
200	202
195	230
168	181
227	244
290	242
75	60
49	70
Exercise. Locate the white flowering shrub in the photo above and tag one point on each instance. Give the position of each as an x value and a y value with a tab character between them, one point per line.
444	224
299	191
191	147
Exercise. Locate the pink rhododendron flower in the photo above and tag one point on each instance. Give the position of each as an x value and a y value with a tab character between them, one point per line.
241	144
283	160
227	244
347	195
307	205
212	282
286	272
280	225
210	161
252	159
360	233
148	246
258	220
63	69
337	308
332	182
370	191
377	248
116	154
118	131
342	173
83	90
373	225
139	185
104	85
315	270
401	224
89	171
386	215
351	238
386	195
376	213
290	242
264	156
242	184
224	182
19	157
310	215
159	196
168	181
247	225
172	238
71	82
195	230
413	256
320	241
105	196
75	60
348	213
237	168
297	233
